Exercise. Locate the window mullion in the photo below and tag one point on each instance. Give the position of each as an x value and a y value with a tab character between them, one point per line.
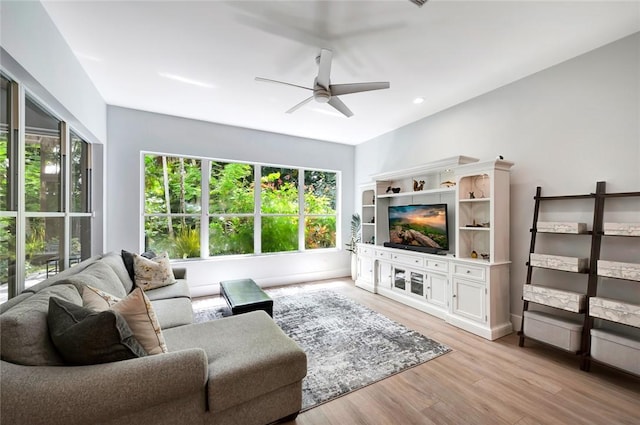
257	212
19	105
205	176
143	198
301	223
65	192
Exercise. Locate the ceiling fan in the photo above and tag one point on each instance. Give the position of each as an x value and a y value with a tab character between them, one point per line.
324	91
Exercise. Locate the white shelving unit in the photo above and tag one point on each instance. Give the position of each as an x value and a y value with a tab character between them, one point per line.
469	290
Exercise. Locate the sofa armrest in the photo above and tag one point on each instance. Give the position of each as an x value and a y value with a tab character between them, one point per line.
90	394
179	272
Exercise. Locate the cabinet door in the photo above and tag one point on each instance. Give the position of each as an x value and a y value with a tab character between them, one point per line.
416	281
384	275
437	289
399	281
469	299
365	269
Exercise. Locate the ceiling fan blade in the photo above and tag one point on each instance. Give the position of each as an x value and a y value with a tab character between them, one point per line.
266	80
300	105
338	89
337	103
324	68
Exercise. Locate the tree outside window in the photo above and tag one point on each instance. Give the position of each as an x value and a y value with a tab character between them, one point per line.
174	207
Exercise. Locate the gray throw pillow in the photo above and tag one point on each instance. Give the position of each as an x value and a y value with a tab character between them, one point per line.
83	336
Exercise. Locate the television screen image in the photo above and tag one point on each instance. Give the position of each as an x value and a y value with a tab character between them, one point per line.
419	226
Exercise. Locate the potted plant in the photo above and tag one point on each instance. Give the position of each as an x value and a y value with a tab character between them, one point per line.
353	240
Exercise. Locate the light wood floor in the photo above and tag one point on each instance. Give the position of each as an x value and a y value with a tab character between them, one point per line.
480	382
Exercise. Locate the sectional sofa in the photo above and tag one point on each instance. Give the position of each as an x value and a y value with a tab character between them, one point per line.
237	370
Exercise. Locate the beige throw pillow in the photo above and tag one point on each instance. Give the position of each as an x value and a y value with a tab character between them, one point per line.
96	299
153	273
137	312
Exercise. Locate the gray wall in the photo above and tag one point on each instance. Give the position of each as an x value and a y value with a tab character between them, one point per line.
565	128
34	53
48	67
131	131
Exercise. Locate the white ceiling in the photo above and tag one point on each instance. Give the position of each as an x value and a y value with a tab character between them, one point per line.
447	52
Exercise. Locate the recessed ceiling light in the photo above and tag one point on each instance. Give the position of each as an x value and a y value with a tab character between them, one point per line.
88	57
327	112
418	100
186	80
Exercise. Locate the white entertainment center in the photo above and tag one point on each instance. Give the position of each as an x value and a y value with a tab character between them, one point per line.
467	285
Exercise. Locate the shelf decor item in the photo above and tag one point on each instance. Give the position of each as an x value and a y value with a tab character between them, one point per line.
622	229
558	262
561	227
615	311
565	300
352	247
481	183
619	270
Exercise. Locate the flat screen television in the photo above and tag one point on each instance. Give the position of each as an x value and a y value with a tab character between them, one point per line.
419	227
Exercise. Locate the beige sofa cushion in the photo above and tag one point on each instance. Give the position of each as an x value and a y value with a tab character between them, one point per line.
25	336
249	355
114	260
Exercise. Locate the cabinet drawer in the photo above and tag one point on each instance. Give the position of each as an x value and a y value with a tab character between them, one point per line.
385	255
408	259
436	265
469	271
365	251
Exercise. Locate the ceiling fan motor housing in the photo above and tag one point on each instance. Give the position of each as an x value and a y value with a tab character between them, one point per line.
321	95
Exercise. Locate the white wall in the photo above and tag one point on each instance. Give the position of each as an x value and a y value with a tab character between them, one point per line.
49	69
132	131
565	128
34	53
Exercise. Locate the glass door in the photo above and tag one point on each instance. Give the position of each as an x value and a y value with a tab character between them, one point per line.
399	279
417	283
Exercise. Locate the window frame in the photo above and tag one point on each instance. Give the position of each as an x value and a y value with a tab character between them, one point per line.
258	215
17	131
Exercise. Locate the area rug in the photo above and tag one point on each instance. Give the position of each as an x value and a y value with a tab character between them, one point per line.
348	346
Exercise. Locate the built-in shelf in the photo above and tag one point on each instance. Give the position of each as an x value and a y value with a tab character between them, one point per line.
469	285
417	193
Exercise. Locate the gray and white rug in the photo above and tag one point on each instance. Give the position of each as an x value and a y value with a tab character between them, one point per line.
348	346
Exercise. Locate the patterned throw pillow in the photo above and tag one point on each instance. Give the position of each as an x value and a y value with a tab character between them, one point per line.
97	299
153	273
137	312
127	258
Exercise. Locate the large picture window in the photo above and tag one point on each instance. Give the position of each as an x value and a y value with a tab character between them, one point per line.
293	210
45	192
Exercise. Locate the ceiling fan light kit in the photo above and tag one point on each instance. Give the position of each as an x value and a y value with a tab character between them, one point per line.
324	91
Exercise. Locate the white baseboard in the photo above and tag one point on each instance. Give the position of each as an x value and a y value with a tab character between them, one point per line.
517	322
214	288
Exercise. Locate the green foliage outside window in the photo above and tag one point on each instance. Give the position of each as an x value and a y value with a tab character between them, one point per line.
231	207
